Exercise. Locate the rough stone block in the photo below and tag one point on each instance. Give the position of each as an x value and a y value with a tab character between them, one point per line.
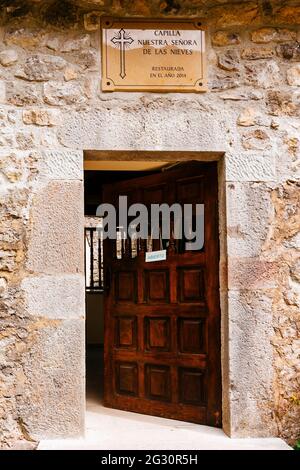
251	363
7	260
3	284
25	140
70	73
284	34
61	164
56	297
288	14
293	75
60	94
53	403
8	57
88	60
56	239
26	38
164	126
23	95
229	60
257	139
76	44
221	82
250	167
7	138
41	117
2	92
252	273
53	42
249	216
263	74
225	38
289	51
41	67
267	35
295	270
263	35
237	14
250	116
281	103
252	53
12	166
48	137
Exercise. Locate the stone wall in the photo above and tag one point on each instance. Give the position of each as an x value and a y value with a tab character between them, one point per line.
52	108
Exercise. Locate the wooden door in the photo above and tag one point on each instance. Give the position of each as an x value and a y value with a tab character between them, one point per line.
162	319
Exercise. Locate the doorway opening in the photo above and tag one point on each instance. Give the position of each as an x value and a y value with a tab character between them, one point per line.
103	173
153	325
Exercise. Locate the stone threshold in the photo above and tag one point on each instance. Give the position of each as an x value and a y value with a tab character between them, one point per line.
108	429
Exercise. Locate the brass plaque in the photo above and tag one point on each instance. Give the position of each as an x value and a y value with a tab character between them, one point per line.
153	55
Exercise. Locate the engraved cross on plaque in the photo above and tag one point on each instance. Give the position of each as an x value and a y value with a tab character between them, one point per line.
122	40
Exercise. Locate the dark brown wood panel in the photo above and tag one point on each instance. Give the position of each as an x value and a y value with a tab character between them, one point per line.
191	335
190	285
157	286
126	378
126	332
192	386
158	382
157	334
126	288
162	319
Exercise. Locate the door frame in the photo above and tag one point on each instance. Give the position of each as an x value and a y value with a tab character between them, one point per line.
181	156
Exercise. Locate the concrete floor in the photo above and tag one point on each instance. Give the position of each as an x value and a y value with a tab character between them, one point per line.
108	429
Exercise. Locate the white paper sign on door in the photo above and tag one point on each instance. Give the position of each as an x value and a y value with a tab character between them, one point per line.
160	255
